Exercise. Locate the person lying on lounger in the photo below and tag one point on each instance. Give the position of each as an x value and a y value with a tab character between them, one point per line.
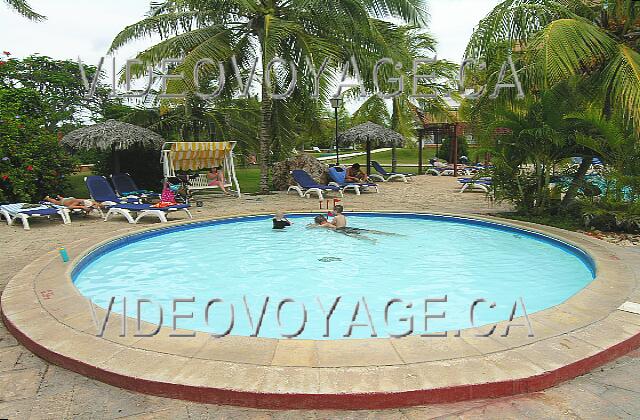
354	174
73	203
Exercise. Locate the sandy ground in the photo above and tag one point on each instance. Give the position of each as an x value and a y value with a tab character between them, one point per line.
32	388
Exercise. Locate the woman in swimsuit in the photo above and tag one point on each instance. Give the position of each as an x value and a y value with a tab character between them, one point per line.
73	203
216	179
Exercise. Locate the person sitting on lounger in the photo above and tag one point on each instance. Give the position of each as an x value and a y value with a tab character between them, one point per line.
354	174
216	178
280	221
73	203
339	219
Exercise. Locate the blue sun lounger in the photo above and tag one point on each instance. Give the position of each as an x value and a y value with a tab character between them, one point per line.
483	184
125	186
11	212
388	176
339	175
307	186
102	192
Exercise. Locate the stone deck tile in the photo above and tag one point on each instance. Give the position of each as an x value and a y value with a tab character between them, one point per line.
250	350
557	318
368	379
295	353
144	364
18	384
607	333
555	353
164	343
424	349
212	373
19	300
352	352
282	380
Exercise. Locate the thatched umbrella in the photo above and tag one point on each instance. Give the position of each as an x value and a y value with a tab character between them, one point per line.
376	134
112	135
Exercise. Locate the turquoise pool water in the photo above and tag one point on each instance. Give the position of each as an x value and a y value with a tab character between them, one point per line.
243	261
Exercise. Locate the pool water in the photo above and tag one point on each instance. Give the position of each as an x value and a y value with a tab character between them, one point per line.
243	262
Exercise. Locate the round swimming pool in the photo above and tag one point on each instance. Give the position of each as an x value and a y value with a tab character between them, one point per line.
238	276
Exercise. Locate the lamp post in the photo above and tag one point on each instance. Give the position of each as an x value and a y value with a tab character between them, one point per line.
335	104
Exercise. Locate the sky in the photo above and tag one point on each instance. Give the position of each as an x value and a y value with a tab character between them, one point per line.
85	29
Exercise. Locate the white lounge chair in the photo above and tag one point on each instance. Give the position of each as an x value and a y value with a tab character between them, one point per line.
11	212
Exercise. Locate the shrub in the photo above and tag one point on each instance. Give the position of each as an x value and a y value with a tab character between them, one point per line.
445	149
32	162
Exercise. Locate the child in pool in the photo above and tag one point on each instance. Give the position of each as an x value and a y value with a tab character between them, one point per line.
280	221
321	222
339	219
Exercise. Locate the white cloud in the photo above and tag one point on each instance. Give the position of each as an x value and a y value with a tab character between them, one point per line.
452	23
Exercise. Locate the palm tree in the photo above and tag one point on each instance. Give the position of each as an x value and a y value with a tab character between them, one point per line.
22	7
558	39
265	29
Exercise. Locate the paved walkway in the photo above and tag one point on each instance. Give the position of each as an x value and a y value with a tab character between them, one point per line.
32	388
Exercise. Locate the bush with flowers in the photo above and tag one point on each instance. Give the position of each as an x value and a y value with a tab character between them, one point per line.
32	162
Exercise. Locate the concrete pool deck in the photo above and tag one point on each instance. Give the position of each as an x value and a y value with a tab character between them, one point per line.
31	387
43	309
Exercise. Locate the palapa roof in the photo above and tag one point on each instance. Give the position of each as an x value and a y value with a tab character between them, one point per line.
374	132
112	133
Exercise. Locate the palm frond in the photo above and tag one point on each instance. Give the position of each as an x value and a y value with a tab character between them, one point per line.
621	83
22	7
564	48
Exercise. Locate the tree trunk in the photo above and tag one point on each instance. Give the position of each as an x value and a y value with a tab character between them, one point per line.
394	158
187	124
265	132
572	192
116	159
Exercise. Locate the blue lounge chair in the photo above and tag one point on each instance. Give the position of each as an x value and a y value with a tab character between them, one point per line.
102	192
388	176
125	186
11	212
483	184
307	186
338	176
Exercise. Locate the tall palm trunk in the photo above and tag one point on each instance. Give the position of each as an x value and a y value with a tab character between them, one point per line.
265	132
395	125
577	180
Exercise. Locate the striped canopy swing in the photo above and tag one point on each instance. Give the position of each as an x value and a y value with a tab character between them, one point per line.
198	155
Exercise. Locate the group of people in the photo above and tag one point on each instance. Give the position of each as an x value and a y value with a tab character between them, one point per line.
338	224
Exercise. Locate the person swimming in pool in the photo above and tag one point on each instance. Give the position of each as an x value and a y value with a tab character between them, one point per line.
340	222
280	221
320	221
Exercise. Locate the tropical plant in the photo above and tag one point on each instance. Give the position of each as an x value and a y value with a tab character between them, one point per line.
32	162
22	7
60	89
555	40
261	31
